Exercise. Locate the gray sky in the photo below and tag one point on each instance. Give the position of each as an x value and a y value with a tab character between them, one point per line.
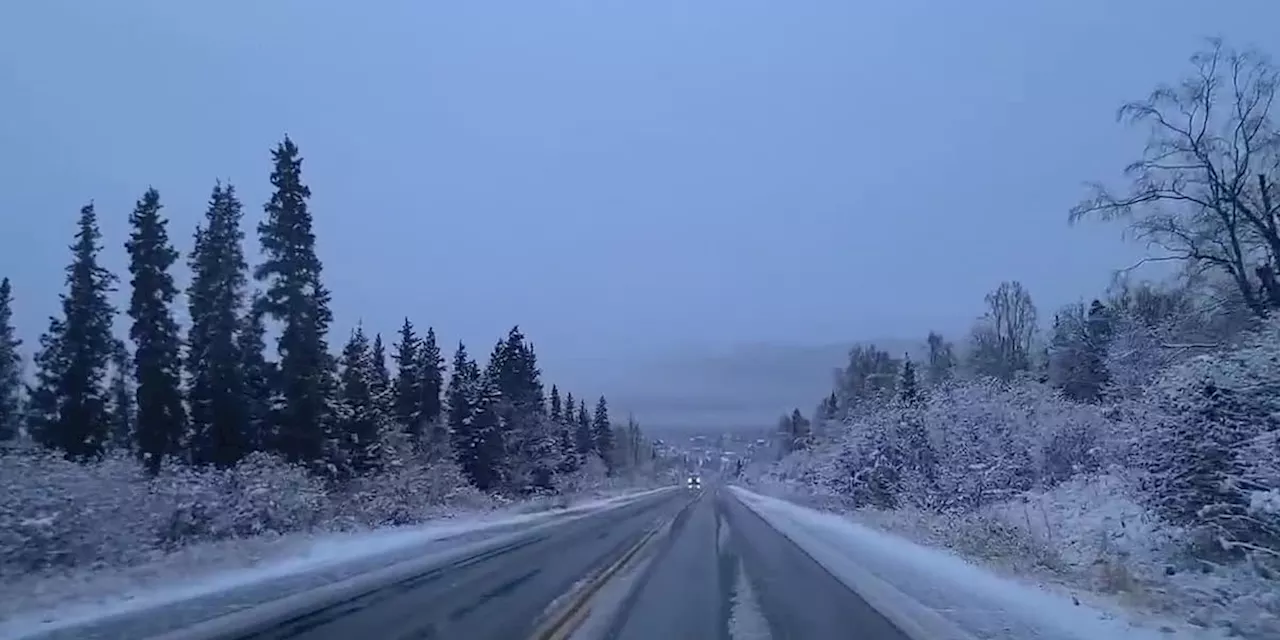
621	178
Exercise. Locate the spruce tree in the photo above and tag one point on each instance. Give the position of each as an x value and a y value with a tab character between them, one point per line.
568	410
68	408
378	359
556	409
10	368
161	416
908	388
358	414
408	383
585	435
296	297
431	387
602	431
261	398
473	421
222	407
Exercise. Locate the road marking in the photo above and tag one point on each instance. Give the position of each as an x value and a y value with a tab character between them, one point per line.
562	624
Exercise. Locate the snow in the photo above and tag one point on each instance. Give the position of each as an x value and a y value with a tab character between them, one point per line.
296	564
931	593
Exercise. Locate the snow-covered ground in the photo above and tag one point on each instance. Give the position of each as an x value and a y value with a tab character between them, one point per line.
254	570
932	593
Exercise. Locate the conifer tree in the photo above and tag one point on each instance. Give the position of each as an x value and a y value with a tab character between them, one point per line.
224	412
556	409
358	423
68	407
908	388
472	420
10	368
585	435
602	430
569	417
431	387
408	383
296	297
161	416
378	359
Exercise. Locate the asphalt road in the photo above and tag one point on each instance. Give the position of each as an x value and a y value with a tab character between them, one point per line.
499	594
670	566
725	574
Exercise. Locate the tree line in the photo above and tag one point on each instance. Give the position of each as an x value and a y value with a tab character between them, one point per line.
217	394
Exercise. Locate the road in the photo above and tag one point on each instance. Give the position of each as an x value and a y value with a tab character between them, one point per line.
694	565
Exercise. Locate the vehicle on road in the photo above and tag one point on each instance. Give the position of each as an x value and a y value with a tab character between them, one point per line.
695	482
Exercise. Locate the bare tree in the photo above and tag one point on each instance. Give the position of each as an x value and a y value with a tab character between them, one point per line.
1203	189
1003	338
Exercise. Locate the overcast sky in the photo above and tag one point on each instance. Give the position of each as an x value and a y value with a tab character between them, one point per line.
619	178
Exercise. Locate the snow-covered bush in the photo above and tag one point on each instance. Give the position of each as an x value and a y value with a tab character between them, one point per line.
1166	494
57	515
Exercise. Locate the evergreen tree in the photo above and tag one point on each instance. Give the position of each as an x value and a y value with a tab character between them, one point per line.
121	409
10	368
68	409
585	434
532	440
408	383
602	430
296	297
161	416
473	421
224	413
556	409
358	415
261	399
431	386
568	410
378	359
908	388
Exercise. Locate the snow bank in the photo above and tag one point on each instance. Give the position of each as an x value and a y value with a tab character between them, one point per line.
939	595
37	608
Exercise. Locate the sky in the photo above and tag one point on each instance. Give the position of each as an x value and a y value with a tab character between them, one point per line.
628	181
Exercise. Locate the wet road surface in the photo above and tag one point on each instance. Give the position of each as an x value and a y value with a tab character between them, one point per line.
677	565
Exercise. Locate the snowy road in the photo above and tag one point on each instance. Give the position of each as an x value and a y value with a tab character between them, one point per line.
715	564
672	564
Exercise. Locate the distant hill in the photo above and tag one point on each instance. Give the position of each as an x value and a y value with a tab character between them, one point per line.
747	386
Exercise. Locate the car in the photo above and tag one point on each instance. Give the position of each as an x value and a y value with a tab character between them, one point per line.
695	482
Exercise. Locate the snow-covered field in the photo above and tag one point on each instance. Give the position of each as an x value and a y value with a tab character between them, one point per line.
188	583
937	594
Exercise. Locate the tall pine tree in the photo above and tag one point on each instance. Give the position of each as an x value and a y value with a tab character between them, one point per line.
359	418
68	407
296	297
473	421
216	369
161	418
10	368
602	431
431	387
556	409
407	387
585	434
